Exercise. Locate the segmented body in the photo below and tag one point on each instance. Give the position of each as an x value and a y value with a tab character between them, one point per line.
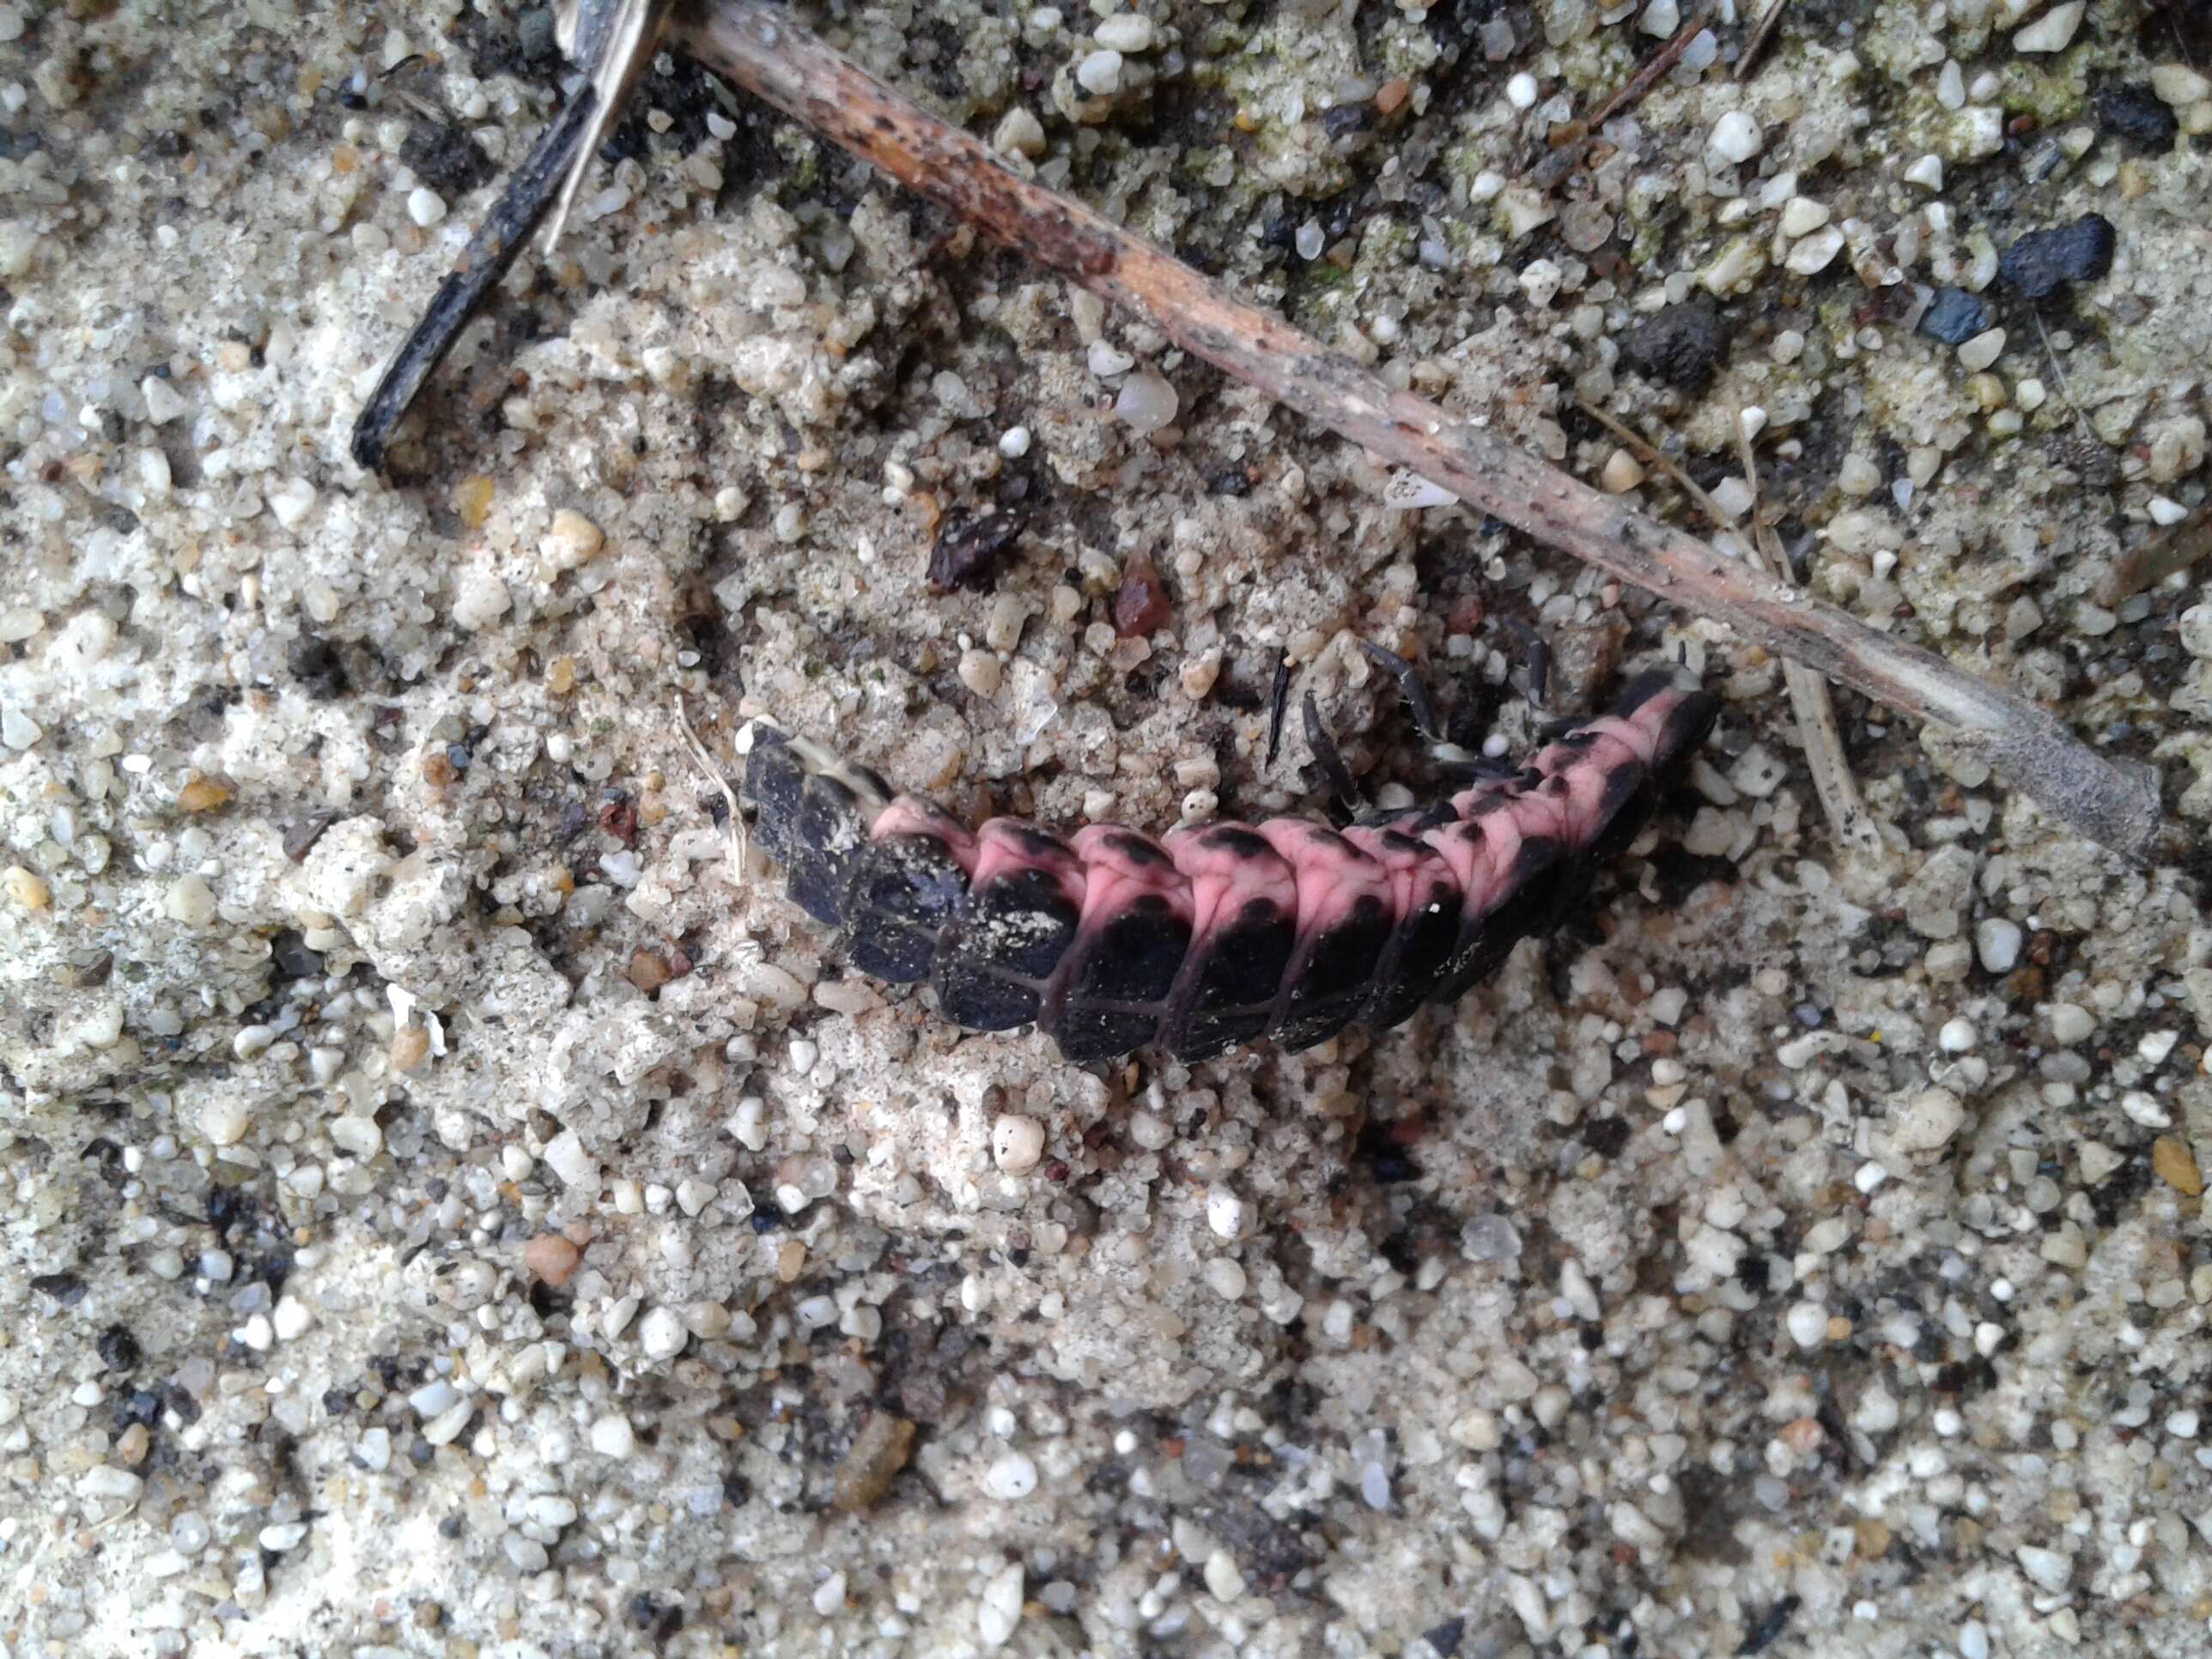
1221	933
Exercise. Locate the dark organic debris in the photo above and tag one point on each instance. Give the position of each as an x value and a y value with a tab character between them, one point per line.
967	550
2042	262
1682	346
1955	317
2139	117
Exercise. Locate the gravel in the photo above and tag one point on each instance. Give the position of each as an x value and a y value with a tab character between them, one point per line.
452	1209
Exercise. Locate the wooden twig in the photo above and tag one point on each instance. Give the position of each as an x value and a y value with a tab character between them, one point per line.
757	46
1818	737
1761	35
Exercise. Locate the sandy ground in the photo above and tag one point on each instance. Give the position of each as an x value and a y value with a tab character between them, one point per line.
454	1212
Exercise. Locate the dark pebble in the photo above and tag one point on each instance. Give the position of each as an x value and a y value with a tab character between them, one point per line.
2139	116
1682	346
1446	1638
967	550
1955	317
445	158
2042	262
66	1289
119	1349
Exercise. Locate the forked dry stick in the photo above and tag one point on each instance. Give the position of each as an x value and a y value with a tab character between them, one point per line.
757	46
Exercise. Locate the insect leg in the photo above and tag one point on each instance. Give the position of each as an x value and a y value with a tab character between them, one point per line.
1332	760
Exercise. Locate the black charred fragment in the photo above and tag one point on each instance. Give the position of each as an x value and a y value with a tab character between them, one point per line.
1761	1635
967	551
2042	262
1682	346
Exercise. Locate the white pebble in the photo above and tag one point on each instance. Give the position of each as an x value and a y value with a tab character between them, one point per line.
1662	18
1808	1324
1927	173
1012	1477
1100	73
1816	252
829	1594
2054	30
18	730
224	1119
1957	1036
1016	1144
1223	1581
661	1333
1127	32
566	1157
1930	1118
290	1318
1225	1213
1997	942
612	1436
1310	240
1146	401
1106	359
1737	137
1803	215
2048	1568
1001	1609
425	206
1521	91
291	501
191	901
1014	442
1979	353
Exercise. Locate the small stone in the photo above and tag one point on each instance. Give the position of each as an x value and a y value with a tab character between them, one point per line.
191	901
566	1157
1012	1477
1310	240
1001	1608
1125	32
202	796
425	206
2138	117
611	1435
1141	604
480	599
1737	137
1985	348
829	1594
291	501
1997	942
1808	1324
1146	401
1802	216
1623	472
290	1318
1927	173
1016	1144
18	730
224	1120
552	1259
410	1046
27	889
1019	133
1930	1120
2048	1568
2042	262
2176	1165
1014	442
2179	85
1224	1582
356	1135
572	541
1681	346
661	1333
1225	1213
2053	31
1660	18
1100	73
1816	252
